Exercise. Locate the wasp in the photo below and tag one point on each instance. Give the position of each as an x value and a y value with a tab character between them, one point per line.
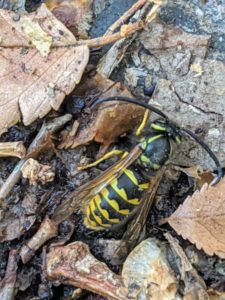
114	196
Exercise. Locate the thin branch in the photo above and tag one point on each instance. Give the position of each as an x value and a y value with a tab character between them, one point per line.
8	283
15	149
124	18
125	30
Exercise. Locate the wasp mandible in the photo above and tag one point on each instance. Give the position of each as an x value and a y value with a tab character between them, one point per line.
112	198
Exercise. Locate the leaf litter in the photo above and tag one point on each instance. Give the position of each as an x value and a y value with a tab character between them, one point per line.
32	84
84	128
201	219
110	122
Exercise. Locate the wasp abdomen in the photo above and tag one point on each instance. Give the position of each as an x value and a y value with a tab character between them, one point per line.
116	201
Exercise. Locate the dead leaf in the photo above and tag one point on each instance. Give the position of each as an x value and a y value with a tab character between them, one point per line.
201	177
39	38
201	219
18	221
32	85
147	274
112	119
76	266
37	172
76	15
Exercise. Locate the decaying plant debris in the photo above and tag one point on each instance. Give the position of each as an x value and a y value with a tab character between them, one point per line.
111	121
16	149
53	68
200	218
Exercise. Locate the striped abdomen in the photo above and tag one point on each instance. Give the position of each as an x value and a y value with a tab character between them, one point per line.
115	202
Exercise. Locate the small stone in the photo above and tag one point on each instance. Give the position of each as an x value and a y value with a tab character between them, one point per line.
16	17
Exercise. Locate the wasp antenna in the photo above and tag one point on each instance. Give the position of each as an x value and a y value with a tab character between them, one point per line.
209	151
130	100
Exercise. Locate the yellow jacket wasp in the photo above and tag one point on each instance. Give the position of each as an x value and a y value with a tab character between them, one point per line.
114	196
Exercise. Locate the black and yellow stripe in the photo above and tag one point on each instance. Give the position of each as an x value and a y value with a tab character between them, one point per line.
116	201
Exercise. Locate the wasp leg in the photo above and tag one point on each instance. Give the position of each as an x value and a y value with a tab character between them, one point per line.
106	156
143	123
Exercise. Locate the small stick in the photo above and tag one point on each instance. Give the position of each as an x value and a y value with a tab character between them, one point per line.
15	149
73	264
36	146
47	230
123	19
125	30
111	38
116	53
8	283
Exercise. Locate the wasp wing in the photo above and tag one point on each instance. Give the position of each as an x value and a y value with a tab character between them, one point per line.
135	228
85	192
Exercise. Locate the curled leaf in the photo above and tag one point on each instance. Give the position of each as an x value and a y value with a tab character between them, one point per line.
112	119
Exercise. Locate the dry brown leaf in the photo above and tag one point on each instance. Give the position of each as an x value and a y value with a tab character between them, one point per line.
201	219
32	85
201	177
76	15
112	119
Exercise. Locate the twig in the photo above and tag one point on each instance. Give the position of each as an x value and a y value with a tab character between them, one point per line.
34	149
125	30
15	149
123	19
116	53
73	264
47	230
8	283
152	14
